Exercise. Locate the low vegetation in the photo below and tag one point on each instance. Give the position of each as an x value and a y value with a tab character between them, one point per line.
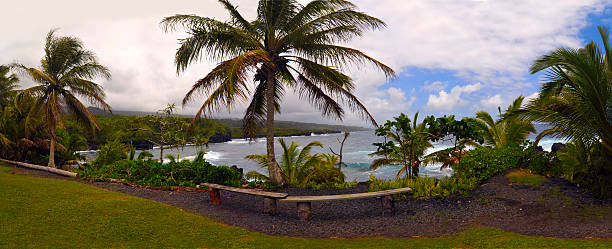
525	178
154	173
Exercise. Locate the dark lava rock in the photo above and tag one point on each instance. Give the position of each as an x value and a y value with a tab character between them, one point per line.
220	137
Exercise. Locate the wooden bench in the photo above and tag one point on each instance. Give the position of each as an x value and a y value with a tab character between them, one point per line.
270	198
304	209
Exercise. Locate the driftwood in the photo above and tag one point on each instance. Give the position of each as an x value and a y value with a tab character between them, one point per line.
44	168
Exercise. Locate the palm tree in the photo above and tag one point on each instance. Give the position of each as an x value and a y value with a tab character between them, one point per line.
288	45
576	98
407	146
297	167
66	72
8	85
506	130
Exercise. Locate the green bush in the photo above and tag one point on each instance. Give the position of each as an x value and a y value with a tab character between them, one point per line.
332	185
426	187
111	152
483	163
154	173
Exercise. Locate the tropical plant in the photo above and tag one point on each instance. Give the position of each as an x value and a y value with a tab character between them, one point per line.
8	85
70	145
507	129
299	167
406	147
461	133
288	45
576	98
167	129
65	74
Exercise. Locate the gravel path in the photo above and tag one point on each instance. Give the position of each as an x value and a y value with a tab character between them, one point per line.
555	209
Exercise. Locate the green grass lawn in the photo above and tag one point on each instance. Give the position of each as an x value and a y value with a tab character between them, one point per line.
40	212
526	178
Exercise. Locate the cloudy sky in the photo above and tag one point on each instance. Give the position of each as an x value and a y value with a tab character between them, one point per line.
452	56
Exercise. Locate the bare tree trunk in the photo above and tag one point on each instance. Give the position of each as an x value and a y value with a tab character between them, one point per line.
346	134
273	169
161	153
52	153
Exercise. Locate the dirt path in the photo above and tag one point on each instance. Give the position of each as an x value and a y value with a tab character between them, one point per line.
556	209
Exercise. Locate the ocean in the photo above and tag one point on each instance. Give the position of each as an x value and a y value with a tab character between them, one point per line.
356	152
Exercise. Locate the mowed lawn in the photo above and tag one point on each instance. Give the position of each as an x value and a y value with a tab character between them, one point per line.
41	213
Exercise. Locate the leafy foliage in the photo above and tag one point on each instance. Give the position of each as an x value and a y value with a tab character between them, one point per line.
300	168
507	130
406	147
483	163
8	86
154	173
65	74
408	142
426	187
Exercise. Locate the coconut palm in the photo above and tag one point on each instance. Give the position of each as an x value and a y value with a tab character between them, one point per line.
506	130
297	167
8	85
576	98
288	45
65	73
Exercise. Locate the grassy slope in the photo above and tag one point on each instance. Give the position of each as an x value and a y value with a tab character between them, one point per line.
39	212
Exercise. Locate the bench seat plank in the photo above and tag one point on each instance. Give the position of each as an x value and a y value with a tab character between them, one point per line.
273	195
345	196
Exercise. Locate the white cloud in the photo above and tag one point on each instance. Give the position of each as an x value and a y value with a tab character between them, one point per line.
491	42
435	86
534	95
450	101
492	102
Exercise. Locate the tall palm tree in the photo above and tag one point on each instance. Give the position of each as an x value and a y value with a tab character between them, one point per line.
65	73
288	45
507	129
8	85
576	98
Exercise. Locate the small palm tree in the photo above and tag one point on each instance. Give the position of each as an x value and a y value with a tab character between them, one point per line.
288	45
297	167
407	146
66	72
506	130
8	85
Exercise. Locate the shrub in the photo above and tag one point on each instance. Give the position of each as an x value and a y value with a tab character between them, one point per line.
426	187
110	153
154	173
332	185
483	163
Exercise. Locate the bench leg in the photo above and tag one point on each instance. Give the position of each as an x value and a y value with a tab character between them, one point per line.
304	212
214	196
269	206
388	205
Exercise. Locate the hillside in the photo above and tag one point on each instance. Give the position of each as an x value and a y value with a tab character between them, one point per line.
279	124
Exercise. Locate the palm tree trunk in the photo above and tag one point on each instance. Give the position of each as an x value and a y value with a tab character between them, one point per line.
273	171
52	147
